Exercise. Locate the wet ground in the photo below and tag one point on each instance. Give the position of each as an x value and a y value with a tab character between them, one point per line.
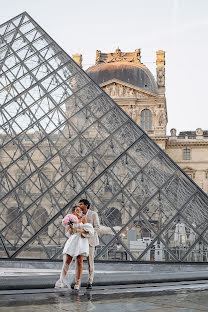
117	288
179	302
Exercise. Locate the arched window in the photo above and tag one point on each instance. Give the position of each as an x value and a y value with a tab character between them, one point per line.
39	219
146	119
15	230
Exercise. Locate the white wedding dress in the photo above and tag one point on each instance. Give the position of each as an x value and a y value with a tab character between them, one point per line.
75	246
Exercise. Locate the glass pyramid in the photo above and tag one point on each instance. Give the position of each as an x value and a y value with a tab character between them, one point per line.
62	139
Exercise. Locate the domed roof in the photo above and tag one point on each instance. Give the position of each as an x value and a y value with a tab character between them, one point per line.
134	74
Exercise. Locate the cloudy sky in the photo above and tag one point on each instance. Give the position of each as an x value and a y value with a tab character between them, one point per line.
180	27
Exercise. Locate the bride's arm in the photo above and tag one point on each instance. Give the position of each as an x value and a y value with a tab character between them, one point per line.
88	230
70	230
81	231
82	228
75	227
84	220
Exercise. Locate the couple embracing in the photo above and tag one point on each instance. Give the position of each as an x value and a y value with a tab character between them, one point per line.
82	228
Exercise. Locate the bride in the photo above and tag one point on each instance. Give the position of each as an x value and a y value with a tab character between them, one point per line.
77	245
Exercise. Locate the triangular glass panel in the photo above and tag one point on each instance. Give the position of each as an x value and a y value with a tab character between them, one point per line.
5	248
196	212
179	237
34	250
198	252
16	21
2	30
3	253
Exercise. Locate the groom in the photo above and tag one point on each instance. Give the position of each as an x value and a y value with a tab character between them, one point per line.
92	217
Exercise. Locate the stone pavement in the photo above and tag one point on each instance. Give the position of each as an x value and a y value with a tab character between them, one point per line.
38	278
27	285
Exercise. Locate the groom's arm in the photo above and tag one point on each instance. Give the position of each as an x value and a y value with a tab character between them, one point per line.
96	222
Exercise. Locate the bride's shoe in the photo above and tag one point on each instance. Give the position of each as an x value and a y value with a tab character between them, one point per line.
77	285
59	284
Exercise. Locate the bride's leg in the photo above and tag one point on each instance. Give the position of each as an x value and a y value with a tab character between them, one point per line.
65	267
79	271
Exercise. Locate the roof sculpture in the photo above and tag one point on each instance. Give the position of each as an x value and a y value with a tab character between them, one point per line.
124	66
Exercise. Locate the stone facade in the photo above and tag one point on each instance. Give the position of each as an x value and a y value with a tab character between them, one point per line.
131	98
188	149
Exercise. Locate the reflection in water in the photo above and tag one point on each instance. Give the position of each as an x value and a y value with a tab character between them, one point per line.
76	304
80	302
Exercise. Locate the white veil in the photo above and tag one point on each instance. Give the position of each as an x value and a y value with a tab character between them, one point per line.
67	275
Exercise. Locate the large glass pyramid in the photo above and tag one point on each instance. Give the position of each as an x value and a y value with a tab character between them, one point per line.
62	139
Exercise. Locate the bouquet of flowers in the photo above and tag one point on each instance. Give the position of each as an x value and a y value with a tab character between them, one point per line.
69	219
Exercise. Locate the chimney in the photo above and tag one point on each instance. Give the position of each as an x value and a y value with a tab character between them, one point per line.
78	59
160	61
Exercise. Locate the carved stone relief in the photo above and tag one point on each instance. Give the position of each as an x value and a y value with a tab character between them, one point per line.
118	90
173	132
160	68
161	119
161	76
199	131
132	111
118	56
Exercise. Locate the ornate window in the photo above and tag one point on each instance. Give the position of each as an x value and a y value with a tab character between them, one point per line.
146	119
190	175
187	154
190	172
26	186
39	219
13	215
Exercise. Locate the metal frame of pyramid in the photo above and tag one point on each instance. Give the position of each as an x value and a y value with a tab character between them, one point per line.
61	139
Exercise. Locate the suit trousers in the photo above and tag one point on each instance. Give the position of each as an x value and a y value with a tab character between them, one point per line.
90	260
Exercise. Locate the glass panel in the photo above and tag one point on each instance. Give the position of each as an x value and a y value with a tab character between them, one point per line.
178	190
180	238
196	212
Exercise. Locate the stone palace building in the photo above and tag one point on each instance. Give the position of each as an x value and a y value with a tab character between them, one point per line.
131	84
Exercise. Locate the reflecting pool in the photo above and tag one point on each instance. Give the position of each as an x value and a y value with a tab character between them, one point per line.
183	302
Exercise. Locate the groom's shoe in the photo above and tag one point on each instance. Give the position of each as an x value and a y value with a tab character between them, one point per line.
89	286
72	286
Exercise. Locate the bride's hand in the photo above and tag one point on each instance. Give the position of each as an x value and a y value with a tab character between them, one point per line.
70	230
84	220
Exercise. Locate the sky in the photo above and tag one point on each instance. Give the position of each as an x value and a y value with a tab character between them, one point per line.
179	27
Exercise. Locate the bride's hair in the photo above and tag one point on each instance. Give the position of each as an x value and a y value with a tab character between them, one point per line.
73	208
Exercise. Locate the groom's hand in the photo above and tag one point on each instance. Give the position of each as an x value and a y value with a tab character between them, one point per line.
84	232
